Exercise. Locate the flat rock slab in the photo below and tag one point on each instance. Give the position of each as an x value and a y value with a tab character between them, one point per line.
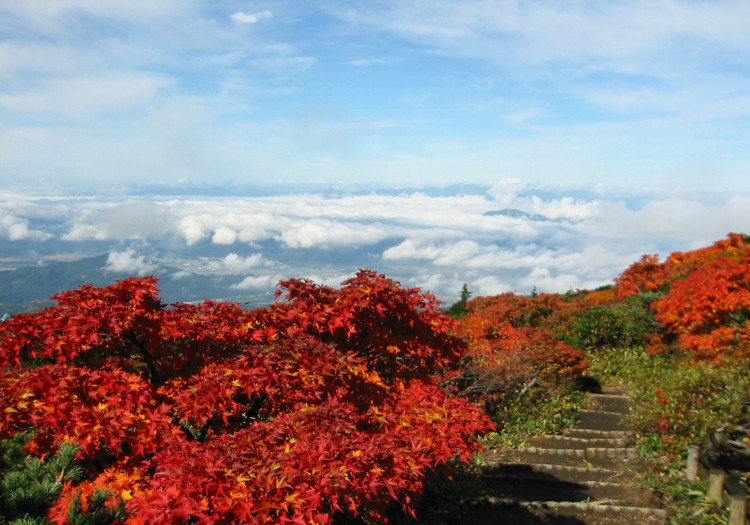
522	489
590	433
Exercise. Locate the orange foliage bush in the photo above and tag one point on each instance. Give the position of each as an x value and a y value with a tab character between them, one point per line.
708	312
509	345
649	274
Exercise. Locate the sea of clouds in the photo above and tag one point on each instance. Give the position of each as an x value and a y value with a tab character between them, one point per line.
496	238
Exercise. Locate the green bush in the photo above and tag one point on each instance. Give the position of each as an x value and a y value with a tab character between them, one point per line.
687	401
458	309
544	409
620	325
30	486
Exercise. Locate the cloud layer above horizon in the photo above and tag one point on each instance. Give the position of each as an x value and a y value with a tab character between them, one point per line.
509	237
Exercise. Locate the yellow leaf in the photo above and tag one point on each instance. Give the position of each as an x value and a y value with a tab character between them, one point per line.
292	498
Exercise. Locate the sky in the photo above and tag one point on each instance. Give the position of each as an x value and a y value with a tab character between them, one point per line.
276	139
99	94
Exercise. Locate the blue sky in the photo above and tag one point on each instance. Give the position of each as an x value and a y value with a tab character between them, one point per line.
96	93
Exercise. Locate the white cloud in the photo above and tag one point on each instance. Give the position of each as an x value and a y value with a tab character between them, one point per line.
564	208
511	193
181	275
323	233
626	36
80	96
236	264
138	10
192	230
224	235
444	254
139	219
435	242
676	218
84	232
242	18
365	62
230	220
283	63
129	262
16	229
506	191
411	249
332	279
458	253
490	285
550	282
255	283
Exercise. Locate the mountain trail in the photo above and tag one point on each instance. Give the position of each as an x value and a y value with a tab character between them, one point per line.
587	476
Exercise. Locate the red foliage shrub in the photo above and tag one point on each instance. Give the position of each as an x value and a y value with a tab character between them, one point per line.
325	403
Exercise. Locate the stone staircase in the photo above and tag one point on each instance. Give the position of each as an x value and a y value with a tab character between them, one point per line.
584	477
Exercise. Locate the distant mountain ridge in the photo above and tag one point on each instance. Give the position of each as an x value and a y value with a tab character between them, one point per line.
519	214
35	284
29	288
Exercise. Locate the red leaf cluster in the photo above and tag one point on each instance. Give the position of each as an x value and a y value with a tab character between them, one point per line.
324	403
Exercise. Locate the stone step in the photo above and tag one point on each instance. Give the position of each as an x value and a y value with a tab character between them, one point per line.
600	420
566	441
561	472
509	512
591	457
574	478
599	434
609	403
613	390
521	488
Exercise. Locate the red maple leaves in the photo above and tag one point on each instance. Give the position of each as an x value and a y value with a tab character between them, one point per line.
324	403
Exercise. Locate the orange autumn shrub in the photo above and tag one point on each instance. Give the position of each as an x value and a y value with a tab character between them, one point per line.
649	274
509	346
708	312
